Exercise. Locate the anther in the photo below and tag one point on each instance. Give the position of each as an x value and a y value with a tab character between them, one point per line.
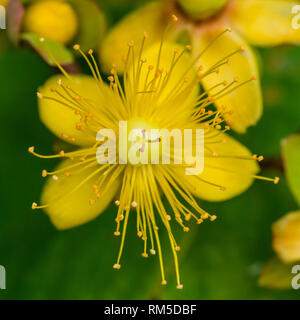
213	218
117	202
188	47
134	204
117	233
180	286
253	77
177	248
168	217
31	149
204	216
145	255
76	47
90	52
152	251
42	39
34	205
62	153
39	95
55	177
276	180
260	158
199	221
117	266
186	229
44	173
174	18
164	282
92	202
188	217
140	233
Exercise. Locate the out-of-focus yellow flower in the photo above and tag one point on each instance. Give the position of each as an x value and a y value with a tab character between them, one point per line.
258	22
52	19
199	9
159	91
59	22
286	237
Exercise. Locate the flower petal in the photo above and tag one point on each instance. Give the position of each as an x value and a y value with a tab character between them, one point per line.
66	209
169	97
286	237
225	170
246	101
266	23
150	18
60	119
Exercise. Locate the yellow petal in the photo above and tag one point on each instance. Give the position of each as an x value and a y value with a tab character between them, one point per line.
150	18
67	210
169	96
286	237
60	119
266	23
246	101
224	170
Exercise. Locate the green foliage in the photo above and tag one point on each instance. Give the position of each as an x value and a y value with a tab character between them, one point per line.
49	49
291	156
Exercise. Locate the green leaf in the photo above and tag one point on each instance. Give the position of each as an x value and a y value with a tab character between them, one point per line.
276	275
49	49
92	23
291	156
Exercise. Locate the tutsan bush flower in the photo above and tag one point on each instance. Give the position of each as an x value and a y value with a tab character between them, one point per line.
160	89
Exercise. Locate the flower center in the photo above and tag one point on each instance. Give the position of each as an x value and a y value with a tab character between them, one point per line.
201	9
138	142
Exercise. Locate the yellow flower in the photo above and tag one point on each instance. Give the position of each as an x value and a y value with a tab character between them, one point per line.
52	19
258	22
286	237
159	90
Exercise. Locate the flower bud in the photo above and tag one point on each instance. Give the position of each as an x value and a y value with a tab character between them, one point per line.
286	237
201	9
54	20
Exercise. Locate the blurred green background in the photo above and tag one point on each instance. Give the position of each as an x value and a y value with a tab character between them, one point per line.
218	261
